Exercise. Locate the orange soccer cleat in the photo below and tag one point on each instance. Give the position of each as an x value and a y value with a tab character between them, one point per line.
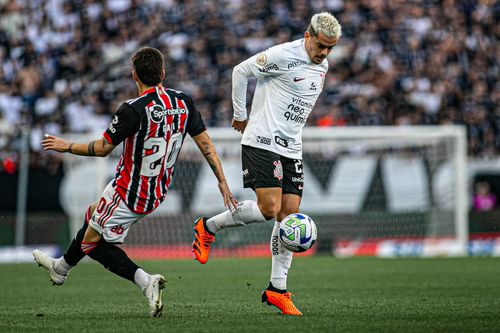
202	240
281	301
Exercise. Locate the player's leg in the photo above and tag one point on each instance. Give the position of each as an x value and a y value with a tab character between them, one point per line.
59	268
281	257
108	227
263	173
276	294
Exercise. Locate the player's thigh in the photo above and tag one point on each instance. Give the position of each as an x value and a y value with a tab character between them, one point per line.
290	203
112	218
261	168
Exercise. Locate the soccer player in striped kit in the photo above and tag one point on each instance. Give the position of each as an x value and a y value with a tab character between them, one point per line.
152	128
290	77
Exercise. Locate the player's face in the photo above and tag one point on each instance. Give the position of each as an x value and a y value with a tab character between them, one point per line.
318	47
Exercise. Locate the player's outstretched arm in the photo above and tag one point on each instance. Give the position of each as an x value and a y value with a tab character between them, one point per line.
206	146
99	147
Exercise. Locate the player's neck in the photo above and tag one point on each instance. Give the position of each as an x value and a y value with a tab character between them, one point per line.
142	88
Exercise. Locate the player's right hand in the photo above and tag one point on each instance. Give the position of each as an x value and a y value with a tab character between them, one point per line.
239	125
230	201
51	142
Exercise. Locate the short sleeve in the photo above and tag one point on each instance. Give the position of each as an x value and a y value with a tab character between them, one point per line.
125	123
195	123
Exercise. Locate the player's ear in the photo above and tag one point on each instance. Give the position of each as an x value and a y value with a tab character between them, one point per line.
134	76
307	35
163	74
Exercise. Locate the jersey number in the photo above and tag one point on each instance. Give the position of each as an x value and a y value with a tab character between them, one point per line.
152	164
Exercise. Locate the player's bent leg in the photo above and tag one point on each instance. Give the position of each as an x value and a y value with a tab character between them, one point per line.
59	268
203	239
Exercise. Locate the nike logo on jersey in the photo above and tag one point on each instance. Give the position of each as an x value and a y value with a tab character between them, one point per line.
297	79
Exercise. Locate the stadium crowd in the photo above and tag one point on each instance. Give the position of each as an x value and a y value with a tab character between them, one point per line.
64	65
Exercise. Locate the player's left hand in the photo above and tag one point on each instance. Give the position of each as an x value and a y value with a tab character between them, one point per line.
51	142
230	201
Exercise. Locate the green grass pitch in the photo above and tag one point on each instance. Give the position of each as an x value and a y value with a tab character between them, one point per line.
335	295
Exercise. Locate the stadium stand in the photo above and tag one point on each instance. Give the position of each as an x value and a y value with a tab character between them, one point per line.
398	63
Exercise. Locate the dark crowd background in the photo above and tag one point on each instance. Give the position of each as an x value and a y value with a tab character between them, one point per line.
64	65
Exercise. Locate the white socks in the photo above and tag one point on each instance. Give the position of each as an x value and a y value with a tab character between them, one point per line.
61	266
141	278
281	260
247	212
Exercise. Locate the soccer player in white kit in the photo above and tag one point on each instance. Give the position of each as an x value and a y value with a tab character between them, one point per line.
290	78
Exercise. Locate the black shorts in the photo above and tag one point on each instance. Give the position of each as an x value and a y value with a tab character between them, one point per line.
263	168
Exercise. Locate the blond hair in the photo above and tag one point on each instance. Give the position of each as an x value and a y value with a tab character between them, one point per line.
325	23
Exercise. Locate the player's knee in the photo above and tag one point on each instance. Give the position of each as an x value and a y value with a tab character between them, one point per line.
270	210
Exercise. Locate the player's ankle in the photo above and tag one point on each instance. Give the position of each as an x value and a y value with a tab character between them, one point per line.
276	290
141	278
61	266
210	226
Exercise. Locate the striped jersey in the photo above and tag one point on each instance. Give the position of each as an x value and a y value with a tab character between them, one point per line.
152	128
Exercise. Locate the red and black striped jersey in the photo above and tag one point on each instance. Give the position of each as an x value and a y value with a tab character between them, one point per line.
152	127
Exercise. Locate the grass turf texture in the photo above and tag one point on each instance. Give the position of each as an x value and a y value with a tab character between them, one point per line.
357	295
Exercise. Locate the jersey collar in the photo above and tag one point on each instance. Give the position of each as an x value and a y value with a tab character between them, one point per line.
150	90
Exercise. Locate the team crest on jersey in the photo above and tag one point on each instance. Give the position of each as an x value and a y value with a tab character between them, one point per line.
278	170
157	113
261	59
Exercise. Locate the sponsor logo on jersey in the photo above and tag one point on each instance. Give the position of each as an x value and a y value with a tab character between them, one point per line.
296	63
269	68
297	79
264	140
280	141
298	179
295	118
278	170
158	113
245	173
313	86
111	127
261	59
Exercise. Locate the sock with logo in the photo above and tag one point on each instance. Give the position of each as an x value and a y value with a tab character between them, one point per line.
247	212
281	260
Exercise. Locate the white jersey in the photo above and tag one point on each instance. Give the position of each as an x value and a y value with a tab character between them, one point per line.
288	85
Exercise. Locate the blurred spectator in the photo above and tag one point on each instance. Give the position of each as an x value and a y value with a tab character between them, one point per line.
398	62
484	200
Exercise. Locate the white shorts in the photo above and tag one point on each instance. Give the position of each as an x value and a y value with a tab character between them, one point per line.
112	218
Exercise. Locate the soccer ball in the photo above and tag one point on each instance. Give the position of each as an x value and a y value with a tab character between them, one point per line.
297	232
